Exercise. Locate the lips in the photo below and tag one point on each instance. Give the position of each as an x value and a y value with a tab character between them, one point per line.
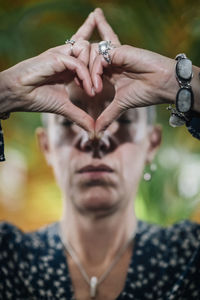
98	168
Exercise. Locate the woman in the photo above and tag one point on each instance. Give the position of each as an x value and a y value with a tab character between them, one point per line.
98	249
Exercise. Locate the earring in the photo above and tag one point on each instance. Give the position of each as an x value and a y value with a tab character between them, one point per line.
149	173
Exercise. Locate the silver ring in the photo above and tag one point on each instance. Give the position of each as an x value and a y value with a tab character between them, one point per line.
104	47
71	42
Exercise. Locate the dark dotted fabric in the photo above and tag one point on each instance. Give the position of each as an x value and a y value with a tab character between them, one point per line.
165	264
193	127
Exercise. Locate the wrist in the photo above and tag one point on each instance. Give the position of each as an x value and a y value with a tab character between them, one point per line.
170	86
6	93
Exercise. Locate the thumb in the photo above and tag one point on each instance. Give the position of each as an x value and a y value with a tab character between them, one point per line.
79	116
111	113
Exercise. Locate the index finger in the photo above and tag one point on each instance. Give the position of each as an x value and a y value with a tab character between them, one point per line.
105	30
86	29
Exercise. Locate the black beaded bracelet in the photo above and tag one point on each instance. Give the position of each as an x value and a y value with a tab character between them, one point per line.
2	156
184	98
3	116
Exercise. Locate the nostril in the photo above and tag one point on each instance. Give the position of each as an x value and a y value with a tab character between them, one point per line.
103	148
103	145
87	148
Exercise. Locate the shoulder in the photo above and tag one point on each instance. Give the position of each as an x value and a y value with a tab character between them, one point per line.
184	230
184	235
13	237
9	234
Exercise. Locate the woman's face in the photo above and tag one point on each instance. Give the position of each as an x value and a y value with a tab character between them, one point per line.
100	175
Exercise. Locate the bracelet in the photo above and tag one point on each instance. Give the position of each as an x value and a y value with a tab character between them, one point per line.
4	116
2	157
184	98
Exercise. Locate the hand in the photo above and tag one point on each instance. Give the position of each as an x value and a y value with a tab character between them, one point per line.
140	77
105	33
39	84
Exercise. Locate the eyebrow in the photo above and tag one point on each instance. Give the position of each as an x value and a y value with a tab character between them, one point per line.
76	101
131	113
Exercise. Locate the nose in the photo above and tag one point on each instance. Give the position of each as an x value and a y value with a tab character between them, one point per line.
99	146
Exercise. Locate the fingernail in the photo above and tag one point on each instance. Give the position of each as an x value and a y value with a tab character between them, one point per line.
93	91
98	135
98	9
91	135
96	84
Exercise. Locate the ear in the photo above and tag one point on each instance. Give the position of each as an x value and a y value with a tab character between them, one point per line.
43	142
155	139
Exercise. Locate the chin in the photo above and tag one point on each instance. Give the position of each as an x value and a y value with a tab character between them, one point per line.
97	200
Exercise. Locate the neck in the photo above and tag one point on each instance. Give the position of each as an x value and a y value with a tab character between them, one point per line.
97	240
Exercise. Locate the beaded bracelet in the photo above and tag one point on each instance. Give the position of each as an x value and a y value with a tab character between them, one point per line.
3	116
184	98
2	156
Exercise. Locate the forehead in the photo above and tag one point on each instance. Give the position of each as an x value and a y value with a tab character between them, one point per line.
78	96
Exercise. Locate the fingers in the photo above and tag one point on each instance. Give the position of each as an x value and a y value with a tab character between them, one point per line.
97	71
105	30
111	113
81	50
121	58
86	30
79	116
83	74
93	54
78	67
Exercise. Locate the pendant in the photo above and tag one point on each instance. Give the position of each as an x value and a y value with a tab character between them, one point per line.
93	286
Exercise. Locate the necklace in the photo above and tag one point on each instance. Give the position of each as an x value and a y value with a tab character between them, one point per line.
94	282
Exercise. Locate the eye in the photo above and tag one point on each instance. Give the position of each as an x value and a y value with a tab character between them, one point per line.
67	123
124	121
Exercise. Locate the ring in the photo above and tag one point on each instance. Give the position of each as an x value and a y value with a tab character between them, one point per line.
104	47
71	42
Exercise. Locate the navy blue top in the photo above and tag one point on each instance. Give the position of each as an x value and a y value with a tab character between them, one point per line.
165	264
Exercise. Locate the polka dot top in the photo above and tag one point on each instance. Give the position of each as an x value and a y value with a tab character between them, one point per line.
165	264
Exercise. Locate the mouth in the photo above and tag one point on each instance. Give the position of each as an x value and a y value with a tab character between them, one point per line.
95	169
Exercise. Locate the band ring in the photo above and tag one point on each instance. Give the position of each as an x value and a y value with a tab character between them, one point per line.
70	42
104	47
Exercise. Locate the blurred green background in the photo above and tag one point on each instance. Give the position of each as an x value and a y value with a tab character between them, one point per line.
29	196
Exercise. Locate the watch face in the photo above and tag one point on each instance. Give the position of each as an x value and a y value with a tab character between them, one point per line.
184	100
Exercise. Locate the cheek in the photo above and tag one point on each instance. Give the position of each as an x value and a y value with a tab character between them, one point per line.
132	160
66	160
60	164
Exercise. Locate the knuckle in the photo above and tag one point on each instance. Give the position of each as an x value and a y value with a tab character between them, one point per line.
86	43
50	50
51	56
83	44
80	65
